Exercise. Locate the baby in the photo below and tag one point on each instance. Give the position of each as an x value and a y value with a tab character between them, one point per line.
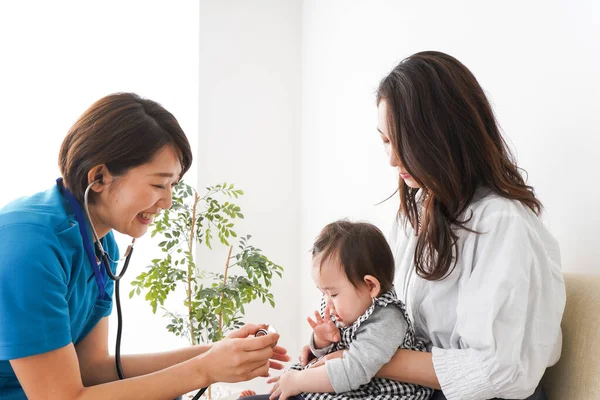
353	267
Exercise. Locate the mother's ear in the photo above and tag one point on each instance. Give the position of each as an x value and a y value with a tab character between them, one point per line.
373	285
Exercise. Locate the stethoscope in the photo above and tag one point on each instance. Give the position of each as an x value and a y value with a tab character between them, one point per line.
99	257
98	243
104	258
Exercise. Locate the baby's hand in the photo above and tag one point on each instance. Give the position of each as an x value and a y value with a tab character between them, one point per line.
325	331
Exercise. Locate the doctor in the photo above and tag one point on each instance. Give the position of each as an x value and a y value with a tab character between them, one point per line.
55	293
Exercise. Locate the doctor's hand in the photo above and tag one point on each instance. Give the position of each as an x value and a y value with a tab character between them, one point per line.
279	353
241	356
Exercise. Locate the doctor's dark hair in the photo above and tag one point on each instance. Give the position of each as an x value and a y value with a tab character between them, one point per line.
443	131
122	131
360	248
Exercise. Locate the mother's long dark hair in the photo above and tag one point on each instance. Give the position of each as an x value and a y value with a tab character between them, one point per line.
443	131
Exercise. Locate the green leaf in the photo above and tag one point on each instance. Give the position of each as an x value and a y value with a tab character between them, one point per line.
209	294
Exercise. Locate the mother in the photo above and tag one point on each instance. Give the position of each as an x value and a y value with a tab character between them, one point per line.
477	269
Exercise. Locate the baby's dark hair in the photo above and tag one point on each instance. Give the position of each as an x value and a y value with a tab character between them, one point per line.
361	249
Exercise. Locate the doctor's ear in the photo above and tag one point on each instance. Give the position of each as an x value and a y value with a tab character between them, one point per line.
98	175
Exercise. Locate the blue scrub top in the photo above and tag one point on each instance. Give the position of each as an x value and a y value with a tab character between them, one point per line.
48	295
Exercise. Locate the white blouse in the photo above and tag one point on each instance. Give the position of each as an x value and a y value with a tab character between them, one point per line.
493	325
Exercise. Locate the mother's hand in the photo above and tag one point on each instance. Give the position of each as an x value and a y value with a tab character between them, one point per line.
330	356
306	355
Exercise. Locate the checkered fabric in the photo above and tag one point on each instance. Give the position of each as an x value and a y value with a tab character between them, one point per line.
377	388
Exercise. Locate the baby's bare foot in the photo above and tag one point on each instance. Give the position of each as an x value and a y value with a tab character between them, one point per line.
247	393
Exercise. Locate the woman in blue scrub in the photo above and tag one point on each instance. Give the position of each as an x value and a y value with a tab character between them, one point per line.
55	294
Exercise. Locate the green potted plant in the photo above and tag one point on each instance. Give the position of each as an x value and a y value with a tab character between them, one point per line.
214	302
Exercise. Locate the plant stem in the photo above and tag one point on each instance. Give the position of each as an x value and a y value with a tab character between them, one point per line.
191	271
223	293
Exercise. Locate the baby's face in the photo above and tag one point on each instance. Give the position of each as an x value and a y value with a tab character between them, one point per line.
347	302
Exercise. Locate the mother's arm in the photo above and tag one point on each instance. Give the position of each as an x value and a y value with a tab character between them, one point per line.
408	366
411	366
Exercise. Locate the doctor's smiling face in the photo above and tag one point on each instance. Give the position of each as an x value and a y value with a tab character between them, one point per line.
130	202
134	151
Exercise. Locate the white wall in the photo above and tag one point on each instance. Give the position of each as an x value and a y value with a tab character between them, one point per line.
537	60
282	99
249	135
58	58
